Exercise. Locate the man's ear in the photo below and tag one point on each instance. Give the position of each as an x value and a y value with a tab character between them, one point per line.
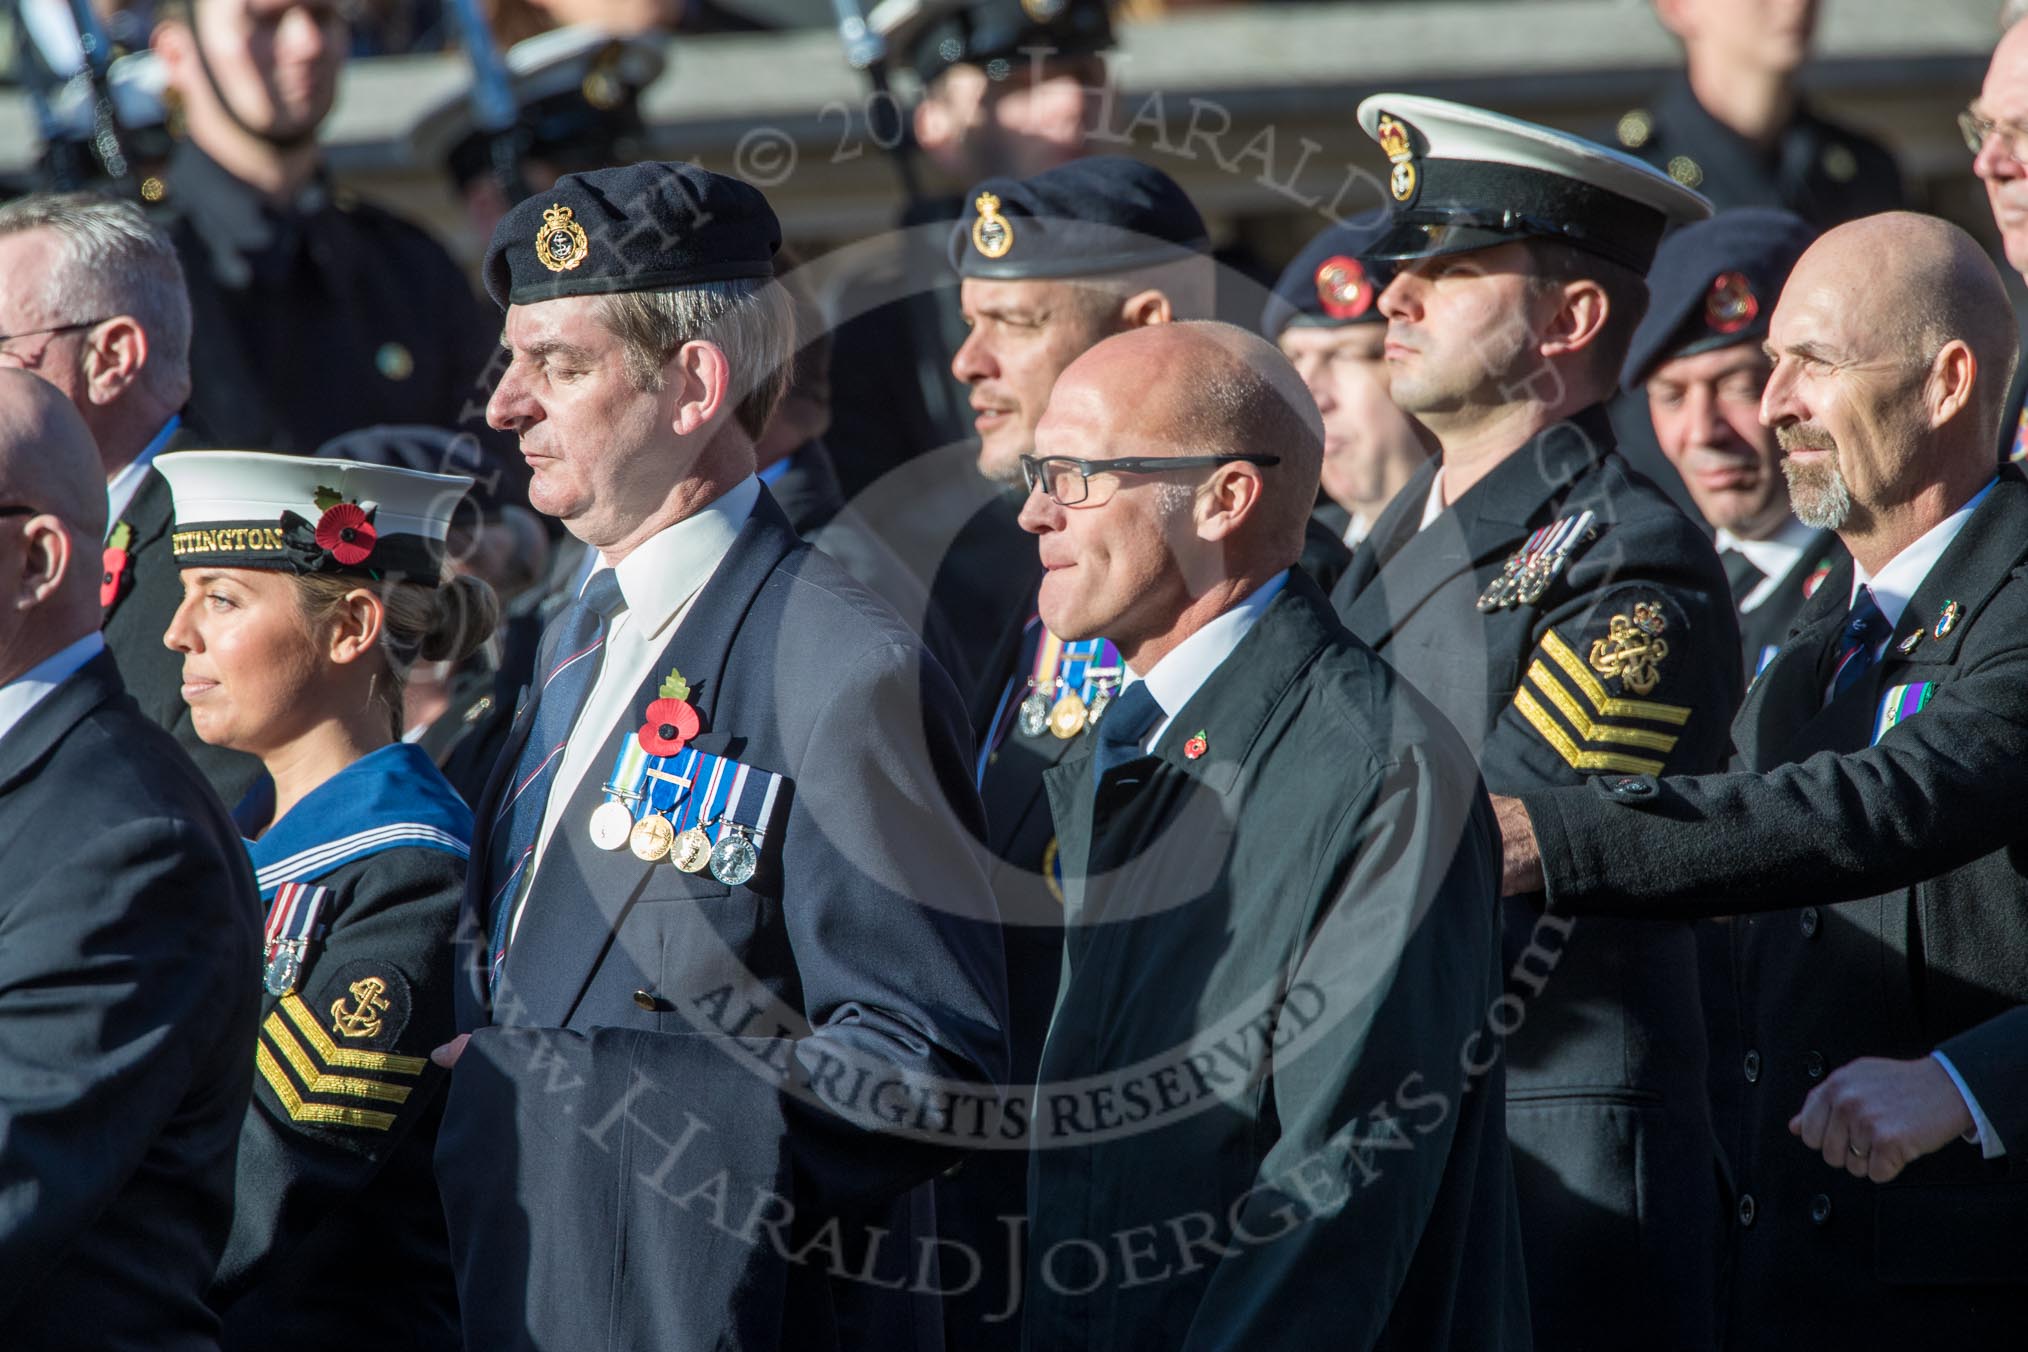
1947	391
356	624
1232	495
46	560
1145	308
701	379
1580	317
114	358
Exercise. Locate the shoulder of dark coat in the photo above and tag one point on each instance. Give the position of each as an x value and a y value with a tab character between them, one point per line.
1357	717
826	611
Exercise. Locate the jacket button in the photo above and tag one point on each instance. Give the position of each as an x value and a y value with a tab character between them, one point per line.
1809	922
646	1000
1813	1065
1820	1209
1746	1209
1753	1067
1634	788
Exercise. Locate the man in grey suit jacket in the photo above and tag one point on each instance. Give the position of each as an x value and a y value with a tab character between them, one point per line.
733	986
129	925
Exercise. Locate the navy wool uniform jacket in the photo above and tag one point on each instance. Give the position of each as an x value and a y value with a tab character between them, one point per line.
129	989
1763	629
696	1115
1607	1107
1872	858
336	1194
1271	1115
145	597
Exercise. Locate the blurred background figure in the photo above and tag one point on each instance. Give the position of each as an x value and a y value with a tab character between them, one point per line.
1995	126
1735	127
1323	316
268	240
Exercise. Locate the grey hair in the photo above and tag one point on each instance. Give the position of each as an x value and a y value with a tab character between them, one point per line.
2012	13
751	320
112	260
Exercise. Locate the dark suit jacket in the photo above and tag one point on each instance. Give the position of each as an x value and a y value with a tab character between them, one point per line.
149	594
1606	1086
1280	957
1993	1059
129	987
1764	629
750	1035
1889	894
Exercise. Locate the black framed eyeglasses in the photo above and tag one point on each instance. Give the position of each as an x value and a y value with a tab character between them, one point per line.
6	338
1067	479
19	509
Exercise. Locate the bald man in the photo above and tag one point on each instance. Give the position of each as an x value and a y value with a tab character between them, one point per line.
1267	1119
129	927
1871	846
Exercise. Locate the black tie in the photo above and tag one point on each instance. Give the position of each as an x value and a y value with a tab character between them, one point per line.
1127	720
1741	572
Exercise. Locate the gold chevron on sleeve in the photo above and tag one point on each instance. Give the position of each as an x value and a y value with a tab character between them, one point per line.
1608	706
1587	730
344	1058
1546	726
299	1110
318	1081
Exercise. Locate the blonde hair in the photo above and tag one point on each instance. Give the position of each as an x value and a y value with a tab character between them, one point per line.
446	623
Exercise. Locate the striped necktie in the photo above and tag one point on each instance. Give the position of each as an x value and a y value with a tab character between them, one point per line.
577	651
1865	629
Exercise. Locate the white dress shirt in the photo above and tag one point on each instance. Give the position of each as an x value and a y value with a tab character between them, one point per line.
1187	666
1776	557
1433	507
1356	529
19	696
658	581
120	489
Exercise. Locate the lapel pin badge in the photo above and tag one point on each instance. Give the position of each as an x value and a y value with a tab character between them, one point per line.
1947	619
1196	746
1907	645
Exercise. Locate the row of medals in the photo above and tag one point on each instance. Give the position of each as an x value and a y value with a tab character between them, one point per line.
1069	716
653	838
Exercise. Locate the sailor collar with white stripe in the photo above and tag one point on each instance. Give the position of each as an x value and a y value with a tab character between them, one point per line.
391	797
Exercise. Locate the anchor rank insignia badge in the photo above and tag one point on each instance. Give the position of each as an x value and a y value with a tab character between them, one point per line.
1530	569
1633	648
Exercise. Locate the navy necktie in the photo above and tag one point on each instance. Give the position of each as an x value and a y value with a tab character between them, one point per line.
573	666
1741	572
1126	721
1866	628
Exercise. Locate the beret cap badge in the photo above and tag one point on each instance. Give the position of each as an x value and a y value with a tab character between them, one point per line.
992	233
1731	305
561	242
1393	138
1343	288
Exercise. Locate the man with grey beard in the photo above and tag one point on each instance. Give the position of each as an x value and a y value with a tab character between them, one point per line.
1869	848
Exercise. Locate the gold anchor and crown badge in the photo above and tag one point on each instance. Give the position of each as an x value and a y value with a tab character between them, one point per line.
561	242
1394	142
362	1018
992	233
1633	648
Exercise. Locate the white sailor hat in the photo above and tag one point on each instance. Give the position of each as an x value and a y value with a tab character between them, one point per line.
1462	178
286	513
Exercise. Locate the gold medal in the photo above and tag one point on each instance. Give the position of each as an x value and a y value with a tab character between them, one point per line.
693	850
1067	719
651	838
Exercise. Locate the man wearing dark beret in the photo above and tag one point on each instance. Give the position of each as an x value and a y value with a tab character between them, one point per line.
1325	317
1050	265
1697	357
727	963
1569	620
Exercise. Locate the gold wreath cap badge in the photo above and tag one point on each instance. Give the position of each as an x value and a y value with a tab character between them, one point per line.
561	242
992	233
1394	143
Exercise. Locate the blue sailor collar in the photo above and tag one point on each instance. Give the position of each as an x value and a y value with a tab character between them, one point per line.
387	798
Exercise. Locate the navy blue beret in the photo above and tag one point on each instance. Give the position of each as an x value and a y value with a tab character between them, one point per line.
1333	281
934	35
1103	214
1714	284
426	450
637	227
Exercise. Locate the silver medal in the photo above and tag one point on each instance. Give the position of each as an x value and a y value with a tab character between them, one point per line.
610	824
283	971
734	858
1034	714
